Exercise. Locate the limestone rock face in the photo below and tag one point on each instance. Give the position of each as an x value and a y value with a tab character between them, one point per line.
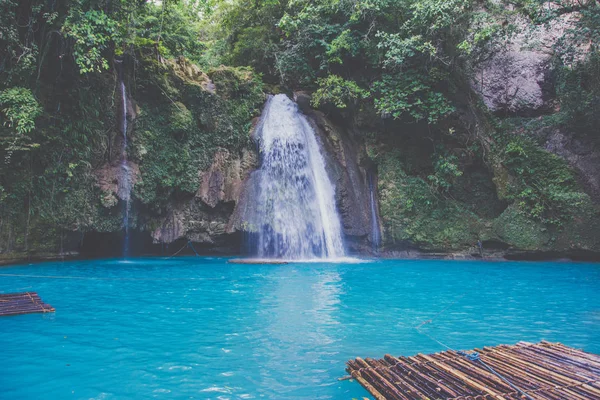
205	218
581	152
517	80
348	174
515	83
172	228
223	180
195	221
191	73
109	178
303	98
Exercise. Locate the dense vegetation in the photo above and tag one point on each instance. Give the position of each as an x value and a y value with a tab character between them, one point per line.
450	172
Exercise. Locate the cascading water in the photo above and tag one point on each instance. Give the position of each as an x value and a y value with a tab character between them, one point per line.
125	181
375	234
294	214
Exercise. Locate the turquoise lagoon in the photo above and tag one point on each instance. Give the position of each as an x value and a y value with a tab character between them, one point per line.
199	328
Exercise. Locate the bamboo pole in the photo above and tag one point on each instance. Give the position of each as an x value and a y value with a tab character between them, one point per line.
466	379
411	372
22	303
356	375
388	387
406	388
545	371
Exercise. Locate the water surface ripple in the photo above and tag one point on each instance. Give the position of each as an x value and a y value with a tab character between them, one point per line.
204	329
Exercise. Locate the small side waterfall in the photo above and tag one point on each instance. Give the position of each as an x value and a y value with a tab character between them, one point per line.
125	179
294	214
375	233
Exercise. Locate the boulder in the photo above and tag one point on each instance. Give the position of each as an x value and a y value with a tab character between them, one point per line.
581	152
518	79
223	180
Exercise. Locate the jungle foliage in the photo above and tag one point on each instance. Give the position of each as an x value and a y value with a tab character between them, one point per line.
60	66
400	64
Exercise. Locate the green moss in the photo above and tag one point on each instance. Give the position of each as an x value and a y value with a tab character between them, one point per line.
581	231
177	135
53	190
235	82
539	182
516	229
412	211
477	191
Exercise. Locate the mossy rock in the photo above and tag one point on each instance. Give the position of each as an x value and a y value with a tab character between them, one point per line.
582	231
234	82
179	135
519	231
477	191
411	211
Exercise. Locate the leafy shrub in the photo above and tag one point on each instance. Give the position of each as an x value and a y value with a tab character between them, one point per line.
337	91
20	109
411	94
91	33
544	187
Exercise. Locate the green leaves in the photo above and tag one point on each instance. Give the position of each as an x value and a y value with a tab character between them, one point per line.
543	187
20	109
400	49
411	94
578	89
435	15
446	170
175	28
337	91
91	33
344	43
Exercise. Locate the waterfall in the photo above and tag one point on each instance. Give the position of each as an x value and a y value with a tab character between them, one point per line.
294	214
125	181
375	234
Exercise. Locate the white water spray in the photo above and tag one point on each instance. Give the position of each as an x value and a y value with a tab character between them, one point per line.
375	234
125	181
295	216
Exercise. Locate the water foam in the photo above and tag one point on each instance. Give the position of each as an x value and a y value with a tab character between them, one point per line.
295	216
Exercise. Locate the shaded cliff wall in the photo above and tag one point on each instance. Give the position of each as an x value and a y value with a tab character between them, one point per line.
194	153
527	81
188	151
516	167
511	168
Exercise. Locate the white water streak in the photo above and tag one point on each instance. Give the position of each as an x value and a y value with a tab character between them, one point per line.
125	181
296	216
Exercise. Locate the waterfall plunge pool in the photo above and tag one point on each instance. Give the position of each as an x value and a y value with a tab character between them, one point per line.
204	329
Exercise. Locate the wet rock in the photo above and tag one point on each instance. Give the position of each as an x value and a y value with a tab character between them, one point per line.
223	180
518	79
303	99
581	152
110	180
205	219
192	74
347	164
172	228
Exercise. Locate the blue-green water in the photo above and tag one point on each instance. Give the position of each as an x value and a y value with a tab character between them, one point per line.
200	328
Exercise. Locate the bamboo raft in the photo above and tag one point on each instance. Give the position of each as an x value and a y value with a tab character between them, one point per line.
549	371
22	303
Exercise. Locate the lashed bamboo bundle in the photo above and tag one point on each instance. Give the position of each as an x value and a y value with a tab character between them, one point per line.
542	371
22	303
